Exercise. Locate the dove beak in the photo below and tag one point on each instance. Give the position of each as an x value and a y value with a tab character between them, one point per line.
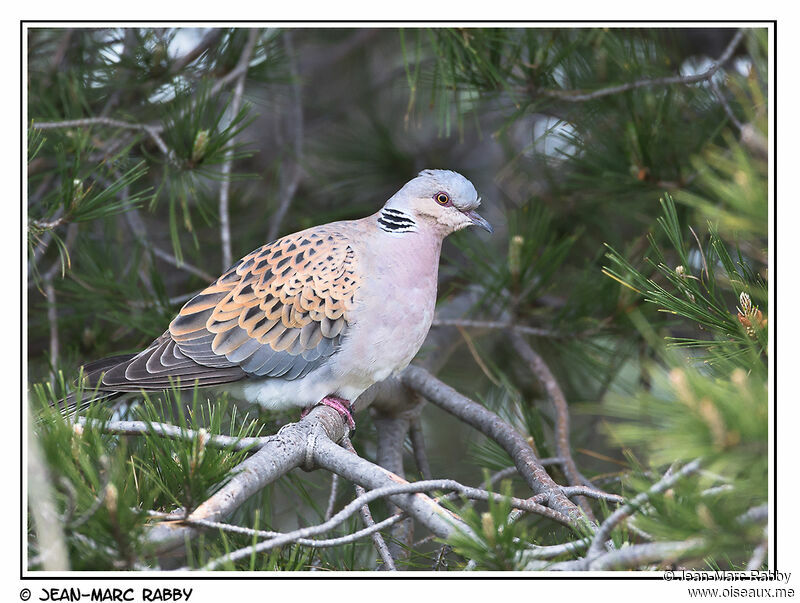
478	220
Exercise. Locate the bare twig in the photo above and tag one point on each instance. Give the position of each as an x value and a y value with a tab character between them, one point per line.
180	264
151	131
493	426
366	517
604	532
576	96
337	519
209	40
332	497
224	189
559	401
140	232
548	552
174	432
477	357
495	325
725	105
289	184
327	543
418	446
529	505
441	522
52	320
592	493
636	556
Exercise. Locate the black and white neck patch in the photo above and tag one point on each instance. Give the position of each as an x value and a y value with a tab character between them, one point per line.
394	220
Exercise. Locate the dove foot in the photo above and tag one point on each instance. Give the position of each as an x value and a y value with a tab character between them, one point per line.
340	405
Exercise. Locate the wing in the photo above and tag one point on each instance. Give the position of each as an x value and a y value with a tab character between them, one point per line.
161	365
281	311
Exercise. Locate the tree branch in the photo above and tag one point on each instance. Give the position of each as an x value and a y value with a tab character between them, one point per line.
140	232
288	185
418	446
332	497
327	543
576	96
393	492
224	217
151	131
495	325
391	433
604	532
493	426
559	401
441	522
366	517
173	432
210	39
277	455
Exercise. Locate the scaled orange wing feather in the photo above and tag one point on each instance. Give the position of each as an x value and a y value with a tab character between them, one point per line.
280	311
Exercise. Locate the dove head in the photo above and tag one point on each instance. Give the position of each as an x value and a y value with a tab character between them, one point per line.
440	199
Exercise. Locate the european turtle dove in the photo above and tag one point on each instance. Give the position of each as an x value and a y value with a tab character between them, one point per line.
315	317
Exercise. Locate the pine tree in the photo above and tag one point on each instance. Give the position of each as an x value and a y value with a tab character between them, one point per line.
615	326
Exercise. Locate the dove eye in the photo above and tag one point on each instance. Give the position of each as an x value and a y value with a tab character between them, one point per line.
442	198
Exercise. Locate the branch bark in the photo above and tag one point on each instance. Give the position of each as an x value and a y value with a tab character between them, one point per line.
559	401
366	517
493	426
604	532
177	433
278	455
441	522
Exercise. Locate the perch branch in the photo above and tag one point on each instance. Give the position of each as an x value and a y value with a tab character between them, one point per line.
277	455
441	522
493	426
